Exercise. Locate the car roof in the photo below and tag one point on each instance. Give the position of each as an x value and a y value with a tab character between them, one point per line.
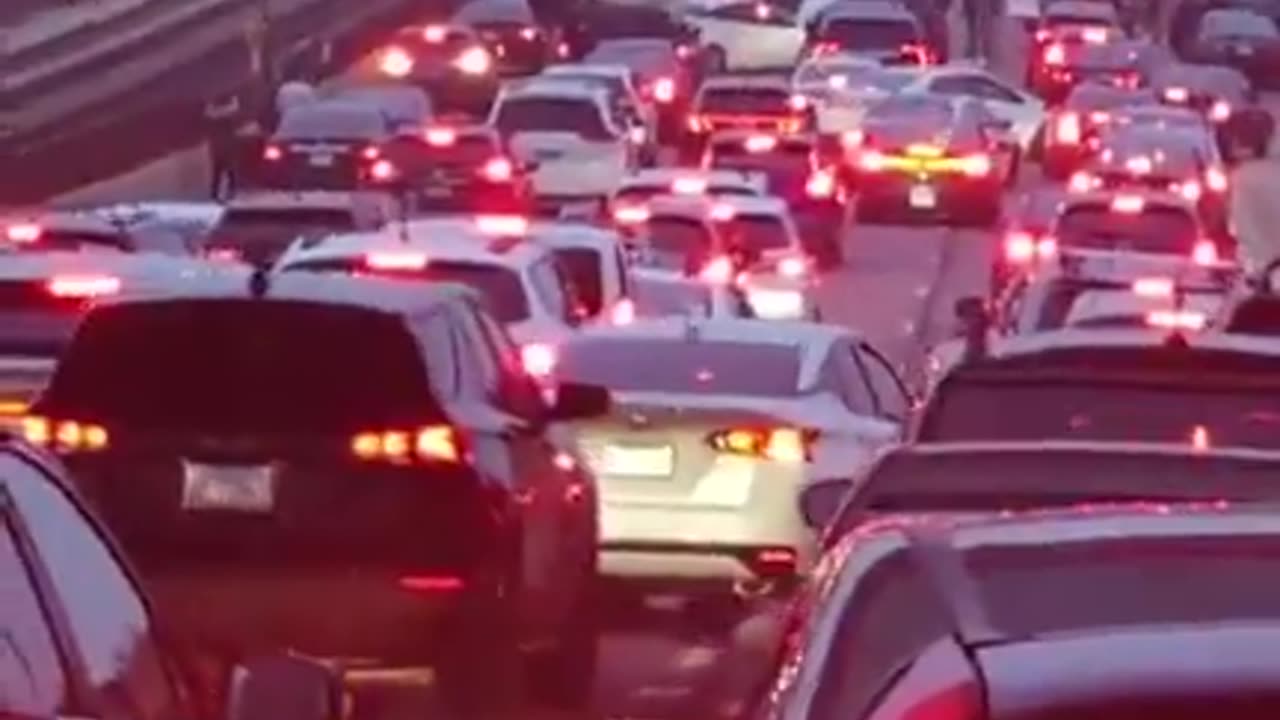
756	205
571	235
1081	9
551	86
301	199
494	11
747	82
1077	447
1200	77
126	266
160	211
441	239
696	207
1031	344
600	70
664	176
730	330
1164	199
866	11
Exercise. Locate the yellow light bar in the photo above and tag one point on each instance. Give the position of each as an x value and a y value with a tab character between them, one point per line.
925	150
13	407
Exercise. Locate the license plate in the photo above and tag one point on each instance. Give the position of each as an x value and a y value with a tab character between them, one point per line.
321	160
638	461
923	197
235	488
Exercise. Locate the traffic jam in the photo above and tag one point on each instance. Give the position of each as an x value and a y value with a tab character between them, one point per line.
520	340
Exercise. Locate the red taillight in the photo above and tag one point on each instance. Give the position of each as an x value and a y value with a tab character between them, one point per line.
717	271
826	48
852	139
1205	253
431	583
498	170
793	267
83	286
538	359
272	153
1082	182
503	225
396	62
222	254
1153	287
440	136
623	313
631	215
395	260
774	562
684	52
1177	320
872	161
1021	248
917	53
664	90
529	33
976	165
1067	130
435	33
1176	95
1055	54
382	171
65	435
1220	111
1190	190
821	185
788	445
23	233
698	124
798	102
1216	180
431	443
370	152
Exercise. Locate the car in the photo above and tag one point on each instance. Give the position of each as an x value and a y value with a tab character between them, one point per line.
680	233
450	62
778	275
90	229
1170	384
1139	222
746	34
594	260
665	80
1071	130
575	137
1018	476
640	115
628	205
980	615
930	17
1182	161
1076	15
325	145
659	292
605	22
256	227
521	282
700	468
923	155
796	169
80	616
1119	64
1037	69
454	168
886	32
225	519
1021	111
519	44
1225	97
1240	38
404	105
739	102
841	87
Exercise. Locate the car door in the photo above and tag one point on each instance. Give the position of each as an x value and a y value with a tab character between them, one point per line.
893	400
100	612
752	35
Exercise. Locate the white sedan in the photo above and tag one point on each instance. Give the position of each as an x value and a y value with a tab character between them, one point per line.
1021	110
747	34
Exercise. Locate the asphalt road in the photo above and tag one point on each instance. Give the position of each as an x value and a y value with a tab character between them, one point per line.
898	287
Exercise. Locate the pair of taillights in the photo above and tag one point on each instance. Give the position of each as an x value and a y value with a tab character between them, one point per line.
783	444
722	270
274	153
397	62
1192	190
783	123
495	170
1026	248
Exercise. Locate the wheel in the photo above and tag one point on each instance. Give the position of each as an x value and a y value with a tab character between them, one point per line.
481	675
564	677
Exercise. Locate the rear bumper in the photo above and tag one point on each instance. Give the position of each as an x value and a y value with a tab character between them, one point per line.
955	195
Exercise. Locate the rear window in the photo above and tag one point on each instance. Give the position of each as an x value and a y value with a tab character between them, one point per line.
869	34
584	267
242	366
549	114
745	101
1154	230
678	236
700	368
500	289
760	233
275	228
305	123
657	298
60	239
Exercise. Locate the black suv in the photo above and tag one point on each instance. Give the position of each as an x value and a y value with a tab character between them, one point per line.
343	467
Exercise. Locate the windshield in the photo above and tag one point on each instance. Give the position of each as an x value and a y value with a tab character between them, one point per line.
278	367
551	114
1154	230
868	34
695	367
355	123
585	270
745	101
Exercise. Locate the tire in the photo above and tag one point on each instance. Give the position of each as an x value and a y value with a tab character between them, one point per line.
563	678
482	674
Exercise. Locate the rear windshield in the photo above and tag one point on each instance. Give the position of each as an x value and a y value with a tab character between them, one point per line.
760	233
702	368
584	267
745	101
867	34
657	298
1154	230
547	114
338	123
275	228
677	236
242	366
500	289
464	150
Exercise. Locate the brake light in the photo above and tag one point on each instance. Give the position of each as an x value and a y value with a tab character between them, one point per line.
23	233
1022	248
822	184
498	170
684	52
506	225
65	435
529	33
852	139
431	443
1220	111
1153	287
976	165
434	33
664	90
1200	439
1095	35
623	313
1042	35
1205	253
395	261
826	48
793	267
382	171
917	52
272	153
83	287
222	254
697	124
538	359
441	136
872	161
1216	180
396	62
1177	95
1176	320
1067	130
631	215
722	212
1082	182
1140	165
1055	54
1099	117
774	562
717	271
474	61
1128	204
1190	191
760	143
787	445
689	186
370	152
797	102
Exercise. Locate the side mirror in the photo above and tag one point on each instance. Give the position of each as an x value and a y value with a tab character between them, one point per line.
821	500
284	686
576	401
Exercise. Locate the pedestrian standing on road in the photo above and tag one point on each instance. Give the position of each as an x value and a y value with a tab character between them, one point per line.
223	117
979	18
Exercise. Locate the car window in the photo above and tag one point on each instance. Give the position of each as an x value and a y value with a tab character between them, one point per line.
482	378
585	268
974	86
853	389
553	114
890	395
702	368
103	608
435	335
550	287
33	682
754	12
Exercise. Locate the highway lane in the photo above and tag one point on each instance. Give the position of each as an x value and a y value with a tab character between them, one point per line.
898	287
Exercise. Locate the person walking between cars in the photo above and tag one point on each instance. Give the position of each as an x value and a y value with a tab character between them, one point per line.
979	19
222	118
